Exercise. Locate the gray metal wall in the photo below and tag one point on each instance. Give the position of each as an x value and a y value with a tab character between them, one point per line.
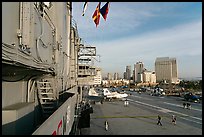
60	122
48	39
10	22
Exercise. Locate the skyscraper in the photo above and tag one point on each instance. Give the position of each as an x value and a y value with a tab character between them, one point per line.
109	76
166	69
138	69
128	72
116	76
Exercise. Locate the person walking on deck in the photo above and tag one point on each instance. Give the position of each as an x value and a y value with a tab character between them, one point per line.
106	125
174	119
159	120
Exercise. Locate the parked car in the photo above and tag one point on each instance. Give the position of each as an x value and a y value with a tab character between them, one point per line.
190	97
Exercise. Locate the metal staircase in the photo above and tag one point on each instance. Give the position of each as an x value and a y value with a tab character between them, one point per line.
47	96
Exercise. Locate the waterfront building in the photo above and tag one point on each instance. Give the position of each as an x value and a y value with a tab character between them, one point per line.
116	76
140	77
138	70
109	76
125	75
128	72
166	69
149	77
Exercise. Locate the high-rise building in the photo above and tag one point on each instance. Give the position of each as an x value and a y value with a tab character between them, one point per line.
116	76
138	70
128	72
174	70
134	73
166	69
125	75
109	76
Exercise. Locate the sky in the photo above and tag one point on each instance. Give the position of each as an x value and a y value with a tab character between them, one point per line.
143	31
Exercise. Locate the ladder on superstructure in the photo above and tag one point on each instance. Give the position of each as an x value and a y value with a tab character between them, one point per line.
47	96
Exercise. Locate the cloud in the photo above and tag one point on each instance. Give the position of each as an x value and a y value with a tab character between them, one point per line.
179	41
171	39
122	18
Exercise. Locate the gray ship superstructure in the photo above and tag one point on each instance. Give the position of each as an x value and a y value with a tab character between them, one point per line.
42	78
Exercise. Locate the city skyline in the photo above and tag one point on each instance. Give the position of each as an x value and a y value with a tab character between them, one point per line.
143	31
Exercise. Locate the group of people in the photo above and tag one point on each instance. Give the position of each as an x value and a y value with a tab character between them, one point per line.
187	105
173	120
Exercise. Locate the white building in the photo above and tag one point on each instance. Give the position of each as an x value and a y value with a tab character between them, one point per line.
149	77
153	77
109	76
98	77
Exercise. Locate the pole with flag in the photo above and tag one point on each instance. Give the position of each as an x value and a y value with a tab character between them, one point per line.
104	10
96	15
84	8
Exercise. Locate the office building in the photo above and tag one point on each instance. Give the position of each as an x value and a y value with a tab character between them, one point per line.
138	70
166	69
128	72
116	76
